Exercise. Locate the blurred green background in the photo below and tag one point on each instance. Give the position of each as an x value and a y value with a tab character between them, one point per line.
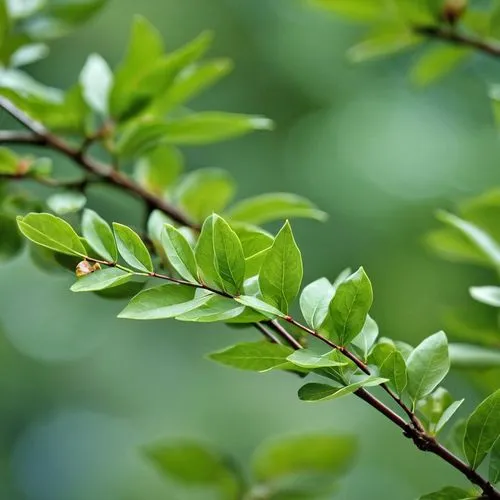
82	391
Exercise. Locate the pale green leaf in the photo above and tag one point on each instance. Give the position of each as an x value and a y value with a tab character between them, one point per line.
470	356
66	203
315	300
100	280
305	358
486	294
447	414
179	253
364	341
216	309
99	235
260	306
96	80
323	392
448	493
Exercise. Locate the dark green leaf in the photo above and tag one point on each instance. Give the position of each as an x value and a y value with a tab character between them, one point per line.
99	235
274	206
204	192
323	392
132	248
281	272
349	307
427	365
11	242
482	429
67	202
166	301
255	356
179	253
100	280
49	231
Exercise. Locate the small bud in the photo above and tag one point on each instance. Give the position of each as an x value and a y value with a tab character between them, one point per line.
96	266
83	268
453	10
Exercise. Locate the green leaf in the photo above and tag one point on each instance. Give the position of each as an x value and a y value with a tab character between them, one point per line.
144	50
486	294
99	235
448	493
437	62
229	258
96	80
29	54
447	414
100	280
192	81
210	126
9	162
159	169
254	356
494	469
259	305
51	232
281	272
305	358
166	301
205	255
179	253
66	203
132	248
323	392
427	365
253	239
11	242
383	44
193	464
474	357
315	300
361	10
274	206
124	291
394	369
366	338
204	192
482	430
349	307
306	454
216	309
481	240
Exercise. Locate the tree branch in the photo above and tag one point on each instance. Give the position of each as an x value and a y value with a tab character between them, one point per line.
451	35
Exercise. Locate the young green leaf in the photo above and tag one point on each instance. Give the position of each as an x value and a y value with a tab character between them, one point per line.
179	253
427	365
394	369
447	414
193	464
482	429
204	191
306	454
323	392
486	294
471	356
100	280
51	232
66	203
216	309
159	169
99	235
366	338
229	258
281	272
96	80
494	469
254	356
132	248
349	307
259	305
449	493
9	161
274	206
209	127
315	300
166	301
305	358
205	255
